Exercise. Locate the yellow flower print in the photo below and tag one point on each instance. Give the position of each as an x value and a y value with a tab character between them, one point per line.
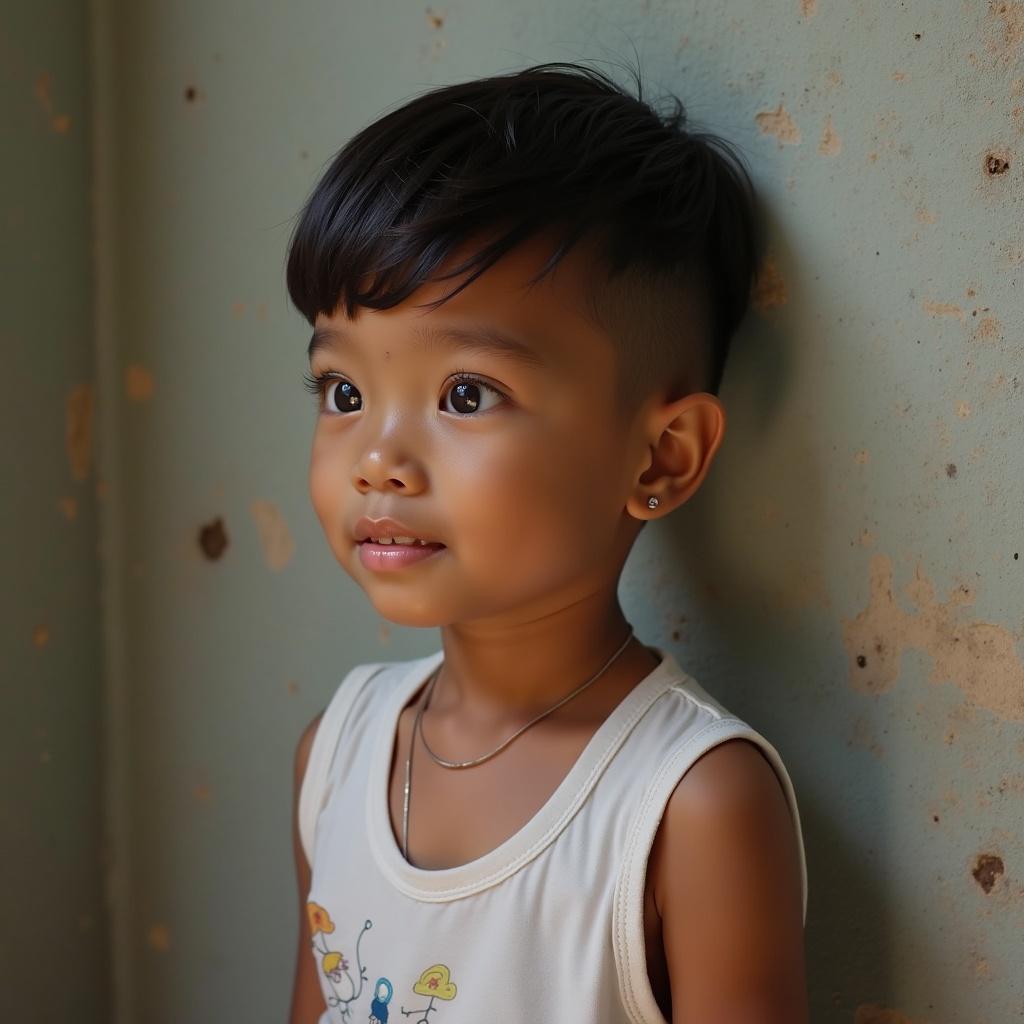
319	919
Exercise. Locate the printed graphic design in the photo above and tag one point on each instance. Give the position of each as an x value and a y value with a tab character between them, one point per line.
344	989
379	1006
436	983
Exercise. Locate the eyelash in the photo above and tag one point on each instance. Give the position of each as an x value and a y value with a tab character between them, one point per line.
316	385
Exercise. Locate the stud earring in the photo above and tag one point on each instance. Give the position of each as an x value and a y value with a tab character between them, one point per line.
652	502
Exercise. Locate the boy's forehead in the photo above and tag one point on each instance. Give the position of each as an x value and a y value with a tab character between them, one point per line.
549	316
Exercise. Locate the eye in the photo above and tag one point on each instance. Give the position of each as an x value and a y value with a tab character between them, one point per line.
346	394
467	390
328	388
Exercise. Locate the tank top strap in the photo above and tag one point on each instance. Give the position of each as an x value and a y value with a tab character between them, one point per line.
628	901
316	786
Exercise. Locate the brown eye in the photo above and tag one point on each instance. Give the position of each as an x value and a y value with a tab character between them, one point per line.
468	393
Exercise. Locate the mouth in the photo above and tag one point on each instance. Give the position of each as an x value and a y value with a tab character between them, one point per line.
389	557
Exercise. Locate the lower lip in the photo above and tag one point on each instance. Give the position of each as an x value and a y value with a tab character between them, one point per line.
390	557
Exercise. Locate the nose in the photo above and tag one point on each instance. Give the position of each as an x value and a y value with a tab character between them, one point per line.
383	467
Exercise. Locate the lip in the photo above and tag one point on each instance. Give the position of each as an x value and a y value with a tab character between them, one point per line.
374	529
392	557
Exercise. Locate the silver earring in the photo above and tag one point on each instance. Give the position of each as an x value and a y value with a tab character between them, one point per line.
652	502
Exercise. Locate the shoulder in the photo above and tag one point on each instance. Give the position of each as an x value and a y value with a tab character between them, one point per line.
304	746
727	885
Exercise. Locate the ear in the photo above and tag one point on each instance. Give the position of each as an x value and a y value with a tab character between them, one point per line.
684	436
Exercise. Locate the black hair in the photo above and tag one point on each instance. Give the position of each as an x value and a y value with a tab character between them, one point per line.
554	145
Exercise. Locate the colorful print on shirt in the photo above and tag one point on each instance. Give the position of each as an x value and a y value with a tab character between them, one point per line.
346	986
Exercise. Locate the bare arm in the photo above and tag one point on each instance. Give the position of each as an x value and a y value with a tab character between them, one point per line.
728	889
307	999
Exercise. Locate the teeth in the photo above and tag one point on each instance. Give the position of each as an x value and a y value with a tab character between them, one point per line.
397	540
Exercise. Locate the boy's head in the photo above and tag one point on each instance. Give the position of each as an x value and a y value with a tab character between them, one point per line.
561	211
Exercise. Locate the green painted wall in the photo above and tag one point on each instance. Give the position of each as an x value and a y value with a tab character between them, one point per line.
849	579
54	938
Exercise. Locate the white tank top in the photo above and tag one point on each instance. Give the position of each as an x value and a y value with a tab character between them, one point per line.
546	927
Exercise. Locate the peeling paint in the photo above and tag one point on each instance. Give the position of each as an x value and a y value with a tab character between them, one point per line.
770	289
78	430
988	869
278	546
978	657
778	123
830	143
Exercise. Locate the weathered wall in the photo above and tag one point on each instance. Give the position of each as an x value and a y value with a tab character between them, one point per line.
53	936
849	579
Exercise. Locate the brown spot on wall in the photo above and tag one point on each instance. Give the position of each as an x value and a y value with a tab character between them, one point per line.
987	870
238	310
1006	30
988	329
191	94
963	409
278	546
159	937
926	216
951	469
873	1013
898	76
292	687
138	383
78	430
978	657
866	538
778	123
861	457
942	309
808	8
202	792
996	163
60	123
69	506
213	539
769	289
830	143
435	20
861	735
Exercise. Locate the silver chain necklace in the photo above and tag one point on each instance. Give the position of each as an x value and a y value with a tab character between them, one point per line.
417	727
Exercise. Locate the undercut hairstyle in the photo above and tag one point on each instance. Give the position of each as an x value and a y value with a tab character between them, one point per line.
555	146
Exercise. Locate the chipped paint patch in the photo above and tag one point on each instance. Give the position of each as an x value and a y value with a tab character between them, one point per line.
942	309
830	143
978	657
138	383
78	430
778	123
770	288
278	546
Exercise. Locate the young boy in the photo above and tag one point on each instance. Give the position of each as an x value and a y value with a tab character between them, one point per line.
522	290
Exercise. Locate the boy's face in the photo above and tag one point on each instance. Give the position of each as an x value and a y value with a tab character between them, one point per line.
526	487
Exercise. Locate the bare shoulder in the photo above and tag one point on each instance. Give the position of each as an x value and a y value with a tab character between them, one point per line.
304	746
727	886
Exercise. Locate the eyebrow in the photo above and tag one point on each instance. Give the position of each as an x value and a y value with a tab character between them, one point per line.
479	338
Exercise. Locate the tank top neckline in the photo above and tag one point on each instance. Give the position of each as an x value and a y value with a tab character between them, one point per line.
438	885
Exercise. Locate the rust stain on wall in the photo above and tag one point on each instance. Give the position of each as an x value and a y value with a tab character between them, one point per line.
808	8
830	143
873	1013
778	123
138	383
159	937
60	123
78	432
1006	29
770	288
942	309
213	539
978	657
278	546
69	506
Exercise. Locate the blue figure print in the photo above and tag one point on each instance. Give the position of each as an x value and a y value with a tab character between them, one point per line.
379	1007
435	983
